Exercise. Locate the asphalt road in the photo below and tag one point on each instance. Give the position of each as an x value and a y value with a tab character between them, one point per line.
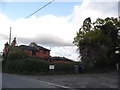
14	81
106	80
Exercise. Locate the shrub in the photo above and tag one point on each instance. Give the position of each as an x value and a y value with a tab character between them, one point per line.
37	66
26	65
18	53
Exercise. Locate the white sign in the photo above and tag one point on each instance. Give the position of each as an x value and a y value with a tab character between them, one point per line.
51	66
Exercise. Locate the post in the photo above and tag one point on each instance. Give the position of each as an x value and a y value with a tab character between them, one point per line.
76	68
9	44
10	37
117	67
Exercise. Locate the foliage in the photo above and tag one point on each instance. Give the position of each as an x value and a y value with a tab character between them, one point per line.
26	65
14	53
37	66
17	53
18	61
97	42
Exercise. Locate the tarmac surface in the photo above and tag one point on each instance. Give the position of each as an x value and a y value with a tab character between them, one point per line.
14	81
106	80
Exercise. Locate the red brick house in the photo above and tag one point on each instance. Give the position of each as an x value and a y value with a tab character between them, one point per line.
35	51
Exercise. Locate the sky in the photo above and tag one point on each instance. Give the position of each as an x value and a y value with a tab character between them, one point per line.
53	27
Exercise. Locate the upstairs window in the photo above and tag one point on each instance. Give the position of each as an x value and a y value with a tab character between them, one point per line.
33	53
44	52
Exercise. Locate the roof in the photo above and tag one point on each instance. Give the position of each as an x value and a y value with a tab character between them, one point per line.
42	48
29	47
34	48
60	58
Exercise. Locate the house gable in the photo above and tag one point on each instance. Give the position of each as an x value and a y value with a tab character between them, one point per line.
37	51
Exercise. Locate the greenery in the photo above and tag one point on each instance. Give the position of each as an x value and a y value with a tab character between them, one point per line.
15	53
98	42
37	66
18	61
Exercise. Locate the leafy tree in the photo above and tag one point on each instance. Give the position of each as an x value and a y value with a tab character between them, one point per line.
98	42
17	53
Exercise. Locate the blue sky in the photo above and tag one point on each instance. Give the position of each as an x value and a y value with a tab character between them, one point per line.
55	26
16	10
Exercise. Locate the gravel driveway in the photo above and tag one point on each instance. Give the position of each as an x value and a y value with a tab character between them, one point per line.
106	80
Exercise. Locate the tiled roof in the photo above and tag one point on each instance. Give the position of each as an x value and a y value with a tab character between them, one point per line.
60	58
34	48
28	47
42	48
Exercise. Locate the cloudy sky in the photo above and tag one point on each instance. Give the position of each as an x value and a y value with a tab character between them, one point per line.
55	26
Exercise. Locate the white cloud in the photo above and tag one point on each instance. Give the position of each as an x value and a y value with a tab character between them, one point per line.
46	30
55	30
42	27
94	10
66	51
5	24
48	26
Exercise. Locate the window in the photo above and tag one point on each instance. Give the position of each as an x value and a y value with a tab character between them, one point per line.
44	52
33	53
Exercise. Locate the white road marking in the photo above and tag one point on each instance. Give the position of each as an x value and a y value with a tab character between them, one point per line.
54	84
60	86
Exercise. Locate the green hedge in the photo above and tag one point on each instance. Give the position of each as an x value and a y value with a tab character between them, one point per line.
37	66
26	65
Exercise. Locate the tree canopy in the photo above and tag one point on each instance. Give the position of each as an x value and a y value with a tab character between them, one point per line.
99	42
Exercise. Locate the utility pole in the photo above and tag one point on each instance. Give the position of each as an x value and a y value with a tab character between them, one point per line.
10	37
9	44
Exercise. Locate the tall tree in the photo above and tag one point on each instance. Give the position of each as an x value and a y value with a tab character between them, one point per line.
99	41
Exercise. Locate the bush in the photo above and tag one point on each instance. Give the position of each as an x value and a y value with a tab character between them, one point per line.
21	54
37	66
26	65
64	67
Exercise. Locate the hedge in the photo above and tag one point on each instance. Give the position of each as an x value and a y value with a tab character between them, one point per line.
37	66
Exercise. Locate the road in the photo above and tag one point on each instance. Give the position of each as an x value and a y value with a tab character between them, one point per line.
14	81
107	80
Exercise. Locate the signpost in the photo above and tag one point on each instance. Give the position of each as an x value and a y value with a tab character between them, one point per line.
51	68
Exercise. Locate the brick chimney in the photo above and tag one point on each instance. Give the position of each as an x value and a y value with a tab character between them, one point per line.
14	42
5	50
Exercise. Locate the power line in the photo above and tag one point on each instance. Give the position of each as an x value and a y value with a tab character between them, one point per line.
39	9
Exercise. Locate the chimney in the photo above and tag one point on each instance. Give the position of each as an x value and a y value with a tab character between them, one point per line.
14	42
